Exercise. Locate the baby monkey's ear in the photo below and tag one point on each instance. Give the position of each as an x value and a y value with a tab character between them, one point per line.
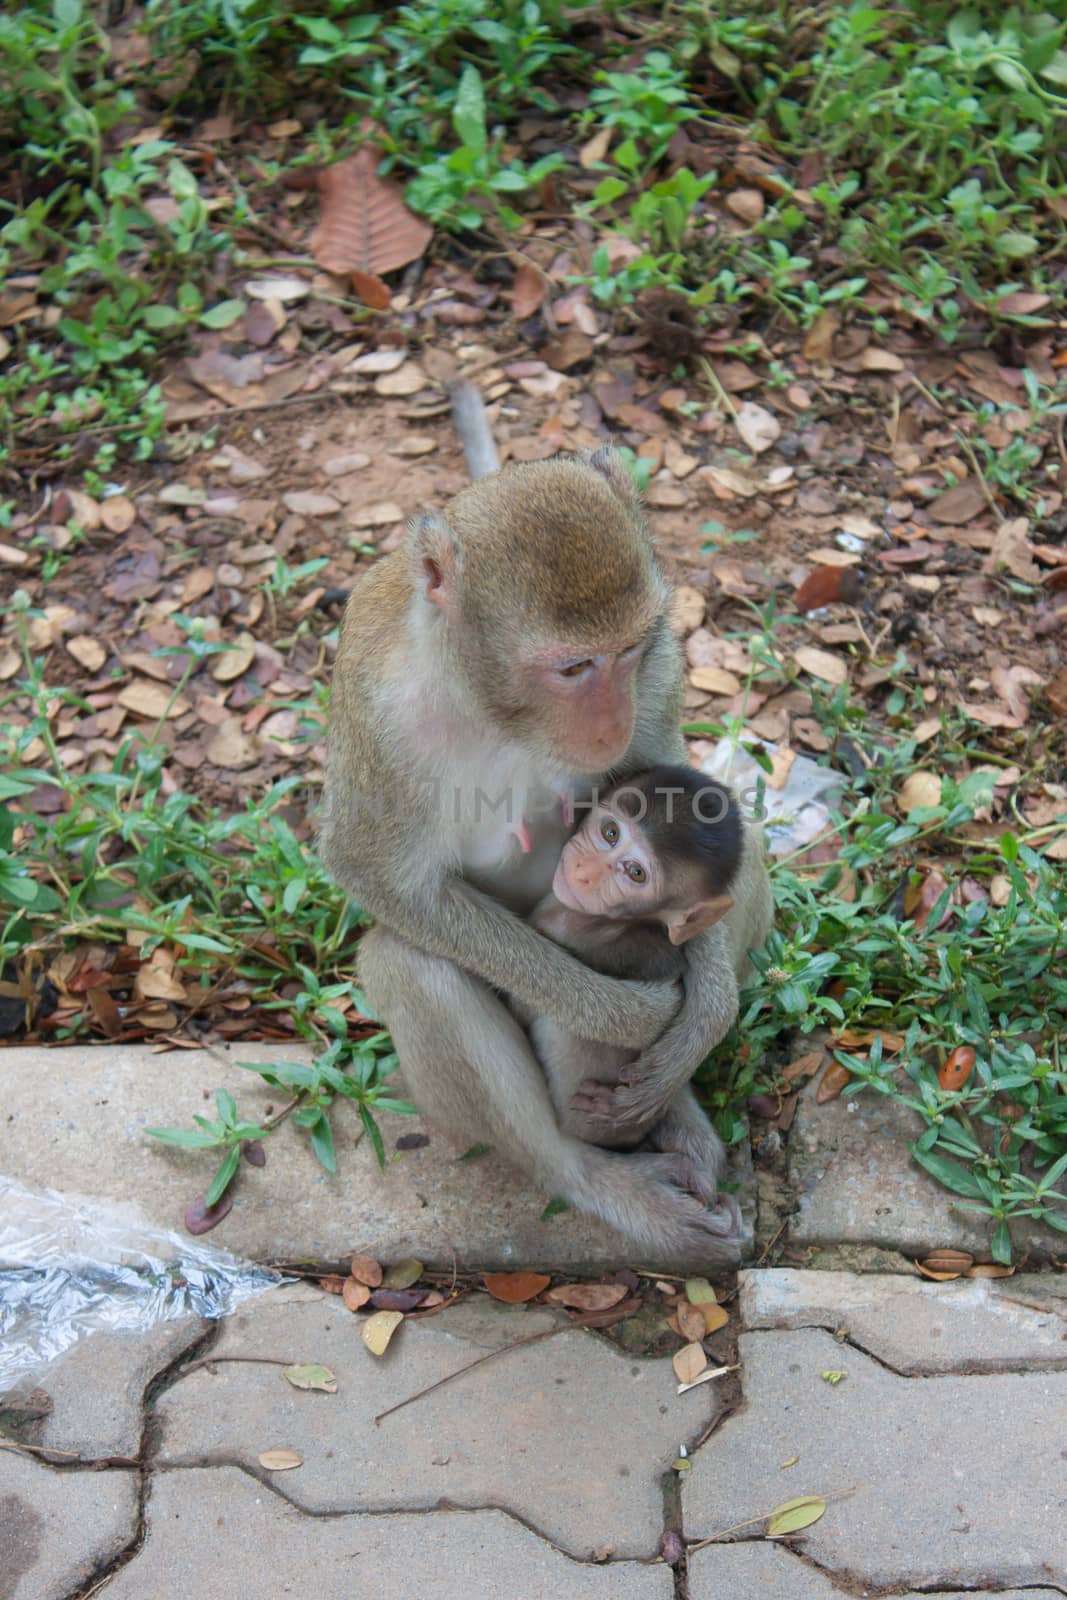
684	925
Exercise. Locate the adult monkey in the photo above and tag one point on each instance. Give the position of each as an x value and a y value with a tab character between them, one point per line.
514	654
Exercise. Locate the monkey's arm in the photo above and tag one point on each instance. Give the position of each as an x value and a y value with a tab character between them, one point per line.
446	916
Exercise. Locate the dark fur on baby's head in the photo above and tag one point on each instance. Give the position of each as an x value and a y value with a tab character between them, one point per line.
689	820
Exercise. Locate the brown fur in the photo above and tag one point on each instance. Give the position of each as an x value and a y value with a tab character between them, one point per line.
521	556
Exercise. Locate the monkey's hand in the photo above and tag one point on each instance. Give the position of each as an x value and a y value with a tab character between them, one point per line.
626	1111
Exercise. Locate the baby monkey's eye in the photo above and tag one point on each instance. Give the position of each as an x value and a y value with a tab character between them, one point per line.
635	873
609	831
574	670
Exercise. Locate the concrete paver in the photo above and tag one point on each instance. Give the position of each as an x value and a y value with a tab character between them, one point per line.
959	1480
916	1326
760	1571
89	1137
58	1528
857	1184
97	1388
214	1534
569	1434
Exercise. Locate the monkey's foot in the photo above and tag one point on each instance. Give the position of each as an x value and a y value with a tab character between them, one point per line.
692	1138
643	1194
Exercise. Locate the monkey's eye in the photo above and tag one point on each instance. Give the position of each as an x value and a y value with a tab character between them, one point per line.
575	669
609	831
635	873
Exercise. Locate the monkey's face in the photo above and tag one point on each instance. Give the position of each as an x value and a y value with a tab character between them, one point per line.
580	708
609	869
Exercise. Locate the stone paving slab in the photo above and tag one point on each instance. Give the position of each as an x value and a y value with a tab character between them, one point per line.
761	1571
97	1388
916	1326
217	1534
58	1528
856	1183
568	1434
87	1136
960	1481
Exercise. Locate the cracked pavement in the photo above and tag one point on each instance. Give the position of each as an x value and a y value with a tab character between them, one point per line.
547	1470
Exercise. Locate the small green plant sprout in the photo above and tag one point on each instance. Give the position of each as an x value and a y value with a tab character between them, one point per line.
227	1134
460	188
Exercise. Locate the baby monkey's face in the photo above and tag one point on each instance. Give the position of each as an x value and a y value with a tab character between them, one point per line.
609	869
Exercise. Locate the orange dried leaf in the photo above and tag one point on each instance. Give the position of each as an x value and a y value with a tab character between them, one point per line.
956	1068
527	292
371	290
587	1296
824	585
690	1320
689	1363
833	1080
803	1067
355	1294
366	1270
364	225
715	1317
515	1287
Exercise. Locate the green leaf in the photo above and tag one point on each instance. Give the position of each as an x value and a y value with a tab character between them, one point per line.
949	1173
159	317
227	1105
223	1177
1001	1245
554	1208
792	1515
1014	244
223	315
374	1134
313	1375
468	114
190	1138
322	1143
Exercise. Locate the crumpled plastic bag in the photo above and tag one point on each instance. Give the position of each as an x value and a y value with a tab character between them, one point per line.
71	1266
792	816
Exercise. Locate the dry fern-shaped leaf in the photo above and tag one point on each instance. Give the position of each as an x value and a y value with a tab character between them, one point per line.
365	226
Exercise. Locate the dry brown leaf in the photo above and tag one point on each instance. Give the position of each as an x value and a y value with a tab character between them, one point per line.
1055	692
747	205
117	513
920	900
821	664
378	1329
364	225
595	149
715	1317
963	503
354	1294
230	747
690	1320
715	680
587	1296
306	503
515	1287
87	651
758	427
873	360
687	608
371	290
156	979
834	1079
199	582
366	1270
989	1269
231	664
280	1460
803	1067
859	1038
151	700
528	291
827	584
819	340
956	1068
1011	549
689	1363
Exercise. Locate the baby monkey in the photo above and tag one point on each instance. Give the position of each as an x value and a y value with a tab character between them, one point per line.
649	868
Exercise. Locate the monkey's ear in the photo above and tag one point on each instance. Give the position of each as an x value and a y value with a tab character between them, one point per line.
435	560
609	465
684	925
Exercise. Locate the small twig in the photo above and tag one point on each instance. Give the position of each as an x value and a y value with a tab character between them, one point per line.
546	1333
214	1361
837	1494
772	1241
724	399
968	450
69	1455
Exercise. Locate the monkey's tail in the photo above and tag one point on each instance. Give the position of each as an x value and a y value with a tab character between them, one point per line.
472	425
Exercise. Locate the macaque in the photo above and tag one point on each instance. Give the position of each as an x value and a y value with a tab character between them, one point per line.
515	654
650	868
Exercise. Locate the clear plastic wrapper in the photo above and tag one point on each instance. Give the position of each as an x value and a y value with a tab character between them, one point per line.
70	1266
